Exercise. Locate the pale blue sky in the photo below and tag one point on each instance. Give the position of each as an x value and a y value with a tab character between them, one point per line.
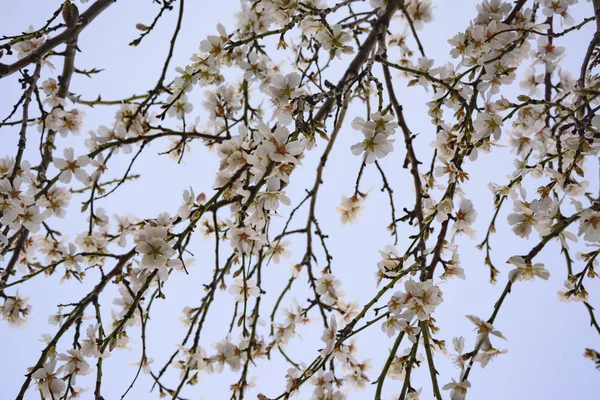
546	338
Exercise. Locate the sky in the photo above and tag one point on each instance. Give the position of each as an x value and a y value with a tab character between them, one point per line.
546	338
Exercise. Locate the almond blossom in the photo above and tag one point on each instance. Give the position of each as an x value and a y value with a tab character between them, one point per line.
48	383
458	390
242	289
329	337
16	309
527	271
70	166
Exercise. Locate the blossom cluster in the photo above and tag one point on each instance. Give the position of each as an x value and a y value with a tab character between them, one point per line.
261	126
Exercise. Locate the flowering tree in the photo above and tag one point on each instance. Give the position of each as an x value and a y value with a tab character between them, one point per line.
264	120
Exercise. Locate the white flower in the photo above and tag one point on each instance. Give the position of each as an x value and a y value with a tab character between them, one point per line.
547	51
420	12
531	82
245	240
276	145
151	243
145	364
414	395
28	216
329	337
351	209
459	346
227	353
270	199
50	87
525	271
188	203
411	332
458	389
486	356
424	65
444	208
283	89
571	292
15	310
180	107
75	363
322	382
393	324
376	145
292	375
379	5
488	124
69	121
72	259
100	217
335	41
90	346
420	300
390	263
378	122
14	193
70	166
484	330
233	152
522	220
278	250
327	288
49	384
244	289
453	268
465	217
589	225
25	47
215	45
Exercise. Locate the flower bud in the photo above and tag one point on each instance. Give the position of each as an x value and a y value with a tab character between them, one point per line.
70	14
